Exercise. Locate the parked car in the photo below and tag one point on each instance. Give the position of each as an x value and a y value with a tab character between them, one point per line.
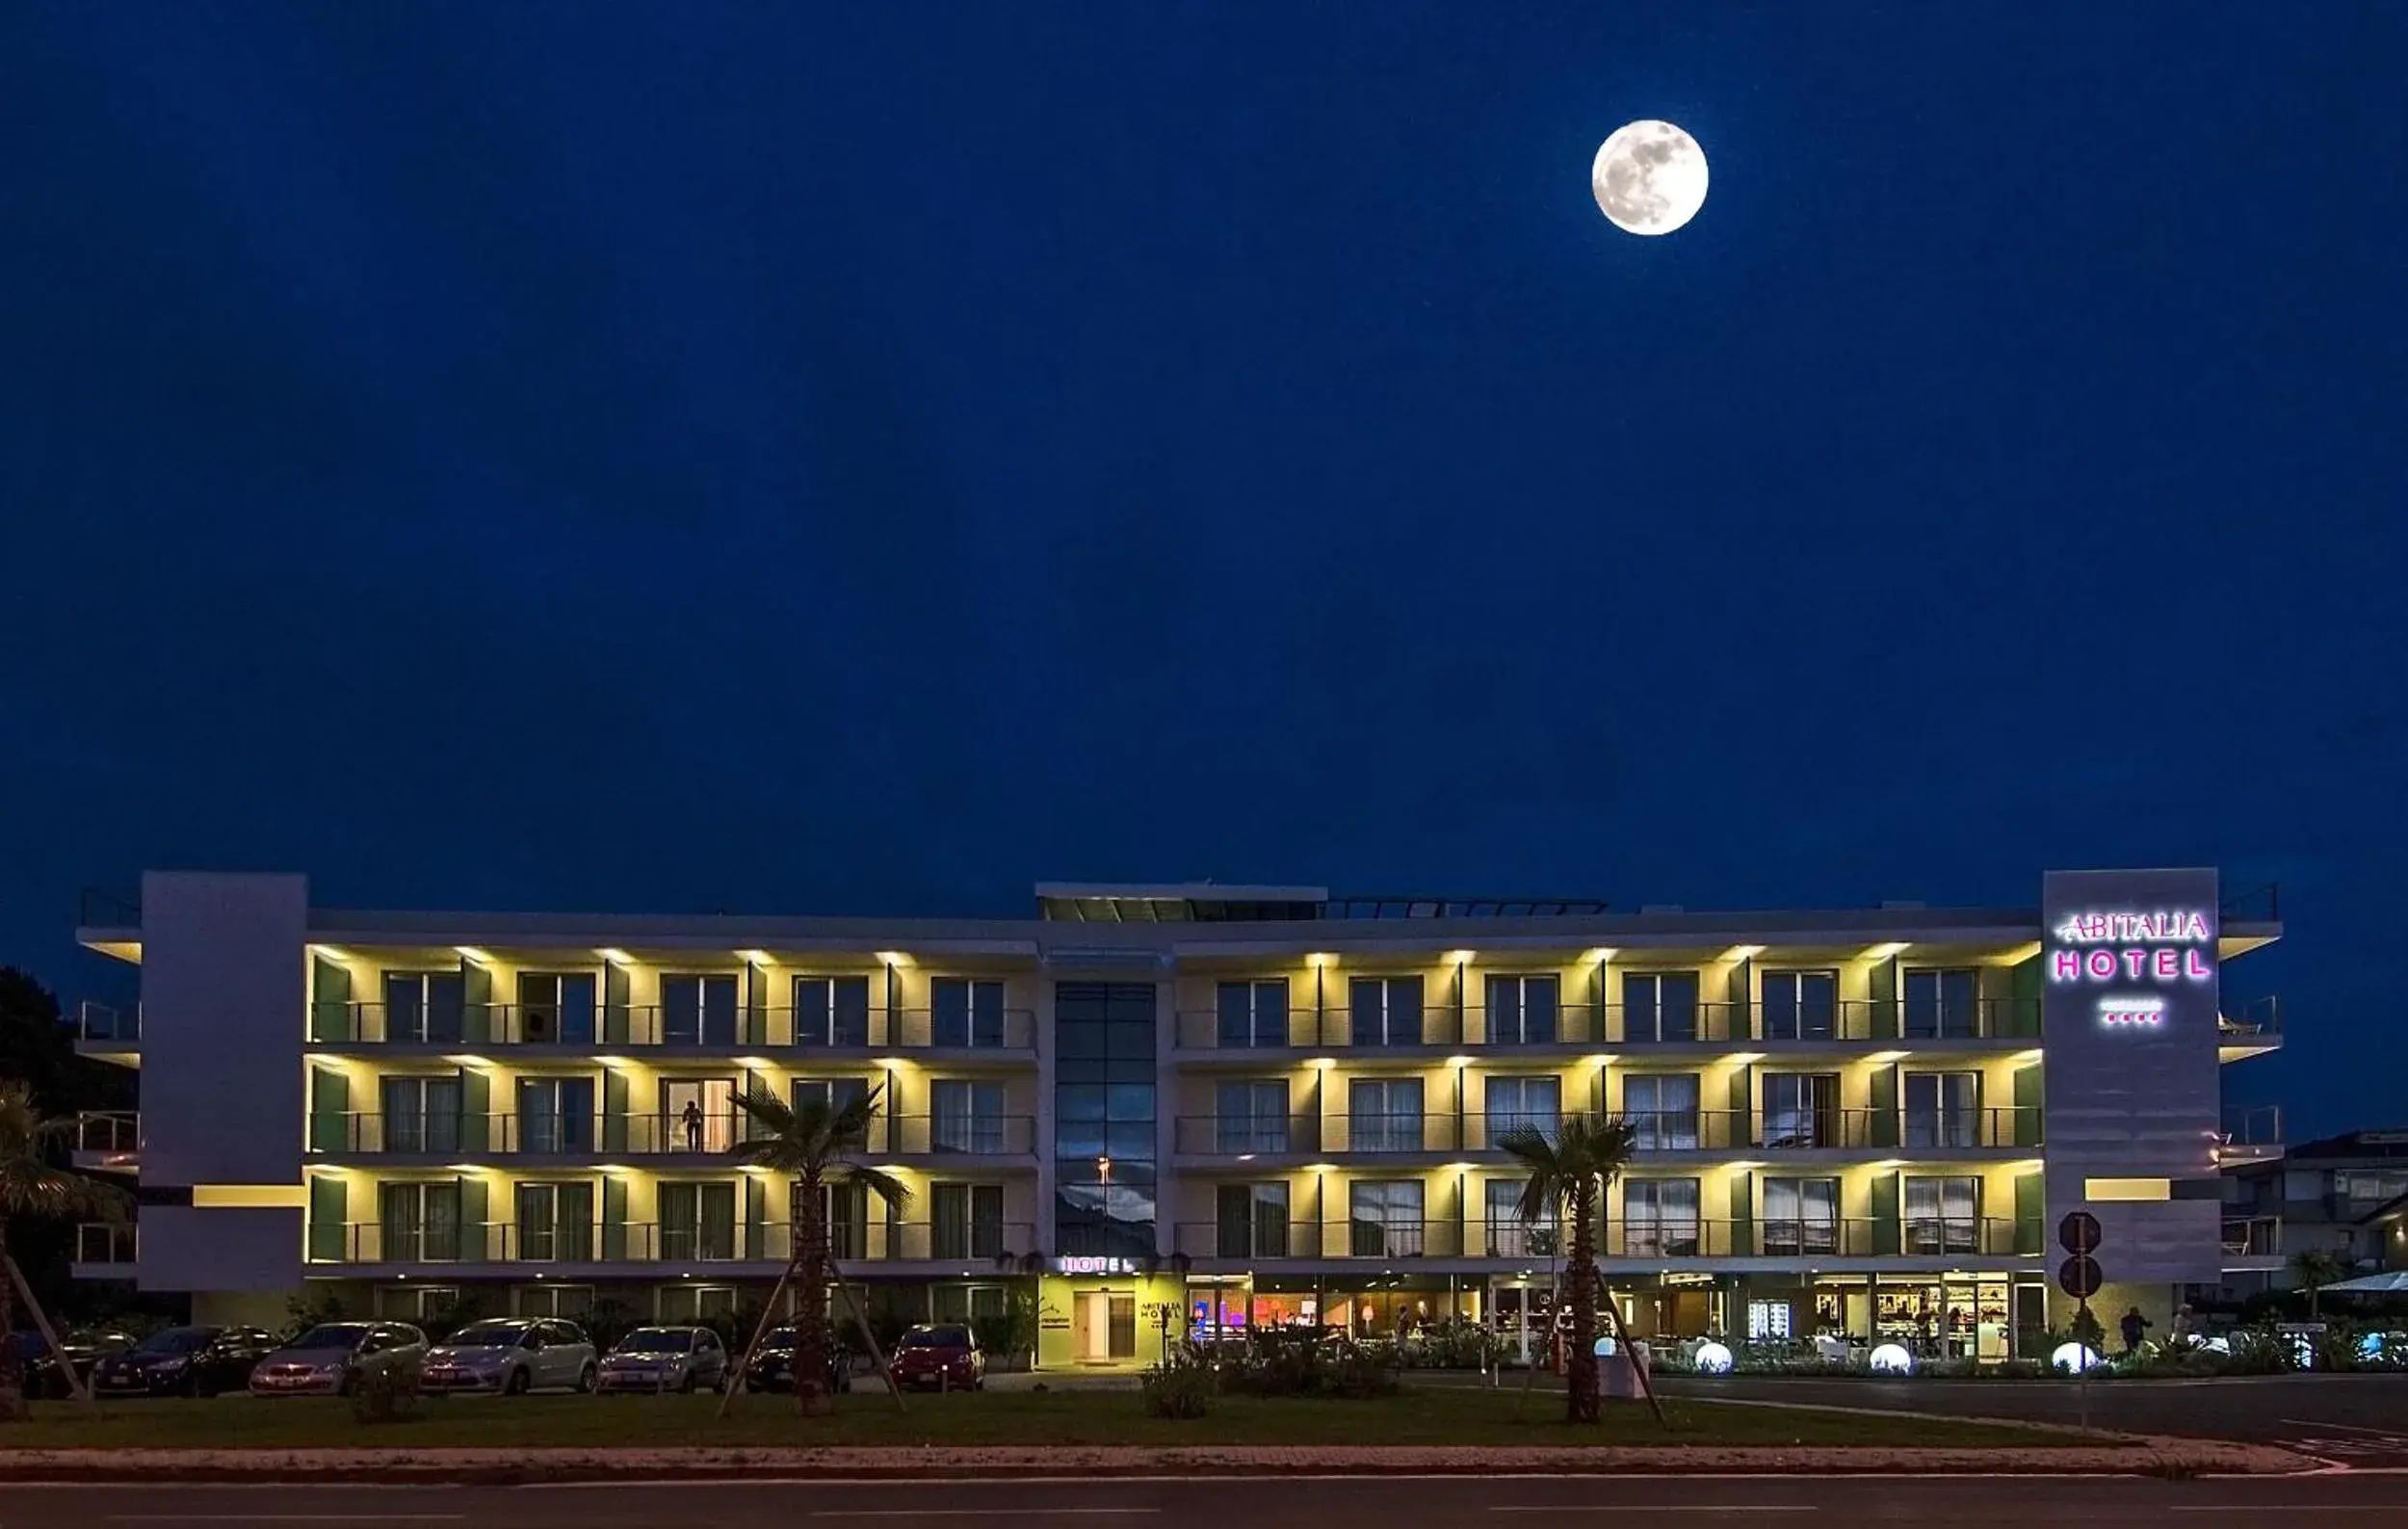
183	1361
666	1360
85	1348
944	1355
772	1366
329	1359
512	1356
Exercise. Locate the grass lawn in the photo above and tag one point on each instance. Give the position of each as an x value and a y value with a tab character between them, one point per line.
1434	1416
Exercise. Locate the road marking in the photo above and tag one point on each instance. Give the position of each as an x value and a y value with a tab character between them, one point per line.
1652	1508
975	1513
2272	1507
285	1518
2346	1428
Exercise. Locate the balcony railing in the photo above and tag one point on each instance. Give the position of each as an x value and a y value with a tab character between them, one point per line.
100	1021
643	1026
991	1243
104	1244
2258	1126
105	1133
2253	1237
1443	1027
1670	1240
1900	1131
446	1135
2260	1019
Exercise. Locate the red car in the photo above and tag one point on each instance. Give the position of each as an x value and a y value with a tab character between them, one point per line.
941	1358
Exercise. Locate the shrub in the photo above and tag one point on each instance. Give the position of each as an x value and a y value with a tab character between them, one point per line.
1304	1362
1182	1385
388	1393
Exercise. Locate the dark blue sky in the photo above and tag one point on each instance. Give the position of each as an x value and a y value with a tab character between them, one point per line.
803	458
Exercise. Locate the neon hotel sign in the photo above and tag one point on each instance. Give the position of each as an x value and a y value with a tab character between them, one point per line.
2163	948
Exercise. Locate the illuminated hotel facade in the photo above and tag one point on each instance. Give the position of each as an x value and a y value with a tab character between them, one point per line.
1151	1108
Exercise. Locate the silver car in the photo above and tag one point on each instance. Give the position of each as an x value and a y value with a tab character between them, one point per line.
666	1360
512	1357
329	1359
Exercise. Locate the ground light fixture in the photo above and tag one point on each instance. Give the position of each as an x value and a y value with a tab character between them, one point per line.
1713	1359
2073	1359
1891	1358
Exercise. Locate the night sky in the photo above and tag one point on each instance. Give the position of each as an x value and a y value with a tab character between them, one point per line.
785	458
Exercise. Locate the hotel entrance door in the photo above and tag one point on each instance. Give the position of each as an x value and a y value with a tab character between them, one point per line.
1103	1326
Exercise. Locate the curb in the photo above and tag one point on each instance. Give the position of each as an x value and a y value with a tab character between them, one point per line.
2137	1457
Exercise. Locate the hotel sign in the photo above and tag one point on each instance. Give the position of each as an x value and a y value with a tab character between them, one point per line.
1094	1264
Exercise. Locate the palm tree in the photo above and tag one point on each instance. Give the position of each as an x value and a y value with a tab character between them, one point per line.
32	1185
1568	1175
2315	1268
819	1143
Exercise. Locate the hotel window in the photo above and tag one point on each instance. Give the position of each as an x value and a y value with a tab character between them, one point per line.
1513	1103
1768	1321
1661	1109
1522	1011
425	1006
1250	1117
556	1115
966	1117
1508	1235
1252	1221
420	1221
1802	1110
845	1211
966	1221
2370	1187
421	1115
1942	1003
1659	1006
555	1223
1943	1214
831	1011
1942	1109
1801	1005
1385	1216
571	1301
697	1222
697	1009
972	1304
694	1305
1384	1115
964	1013
834	1093
556	1008
1659	1218
1801	1217
1252	1014
1384	1011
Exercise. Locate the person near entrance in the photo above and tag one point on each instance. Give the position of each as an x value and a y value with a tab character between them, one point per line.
693	1118
2135	1325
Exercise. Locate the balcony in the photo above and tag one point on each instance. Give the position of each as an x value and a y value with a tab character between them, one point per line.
987	1245
105	1031
2253	1242
106	1141
2253	1135
1444	1028
446	1137
1645	1243
1900	1133
2257	1030
1006	1035
104	1251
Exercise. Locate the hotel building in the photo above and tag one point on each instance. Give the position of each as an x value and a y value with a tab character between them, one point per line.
1148	1107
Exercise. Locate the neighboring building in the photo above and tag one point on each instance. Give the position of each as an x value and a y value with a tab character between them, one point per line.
1156	1105
2346	1194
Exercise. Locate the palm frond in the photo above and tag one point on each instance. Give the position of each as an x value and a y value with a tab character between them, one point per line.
879	1182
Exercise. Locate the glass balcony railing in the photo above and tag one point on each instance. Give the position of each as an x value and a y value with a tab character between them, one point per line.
1671	1240
100	1021
1444	1027
1903	1132
652	1026
446	1135
585	1243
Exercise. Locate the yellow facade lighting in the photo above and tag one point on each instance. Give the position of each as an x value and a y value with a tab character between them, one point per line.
1744	953
615	956
472	953
1895	947
755	957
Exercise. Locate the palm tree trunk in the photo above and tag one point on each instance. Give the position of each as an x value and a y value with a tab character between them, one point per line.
811	1296
1580	1391
11	1368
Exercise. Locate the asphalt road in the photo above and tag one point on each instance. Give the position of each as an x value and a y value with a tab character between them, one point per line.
2357	1420
1312	1503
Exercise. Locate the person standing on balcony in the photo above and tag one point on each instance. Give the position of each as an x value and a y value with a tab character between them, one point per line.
693	1118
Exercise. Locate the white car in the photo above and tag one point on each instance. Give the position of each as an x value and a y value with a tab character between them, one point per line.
510	1356
667	1359
329	1359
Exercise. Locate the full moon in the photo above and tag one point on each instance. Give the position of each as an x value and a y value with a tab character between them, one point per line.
1650	177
